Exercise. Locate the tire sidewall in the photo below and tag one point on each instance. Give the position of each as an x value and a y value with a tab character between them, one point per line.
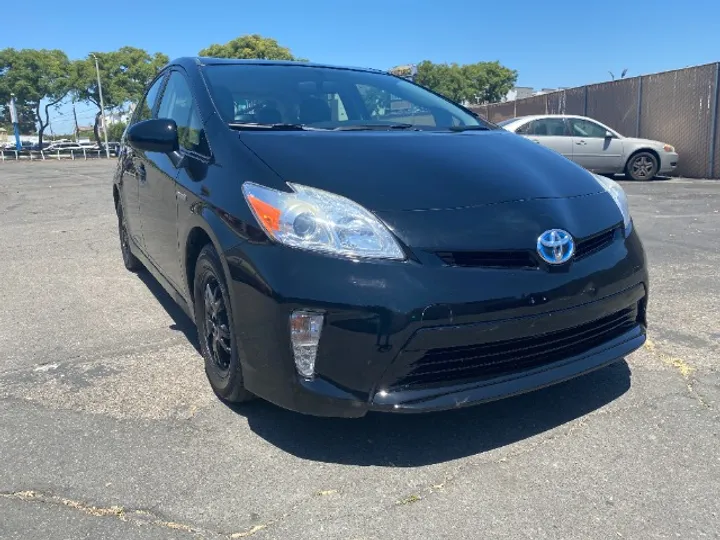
208	266
129	259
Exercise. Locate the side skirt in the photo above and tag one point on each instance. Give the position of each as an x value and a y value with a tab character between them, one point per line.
169	288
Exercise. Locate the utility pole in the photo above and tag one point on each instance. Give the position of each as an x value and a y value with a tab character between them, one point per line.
77	128
102	106
15	123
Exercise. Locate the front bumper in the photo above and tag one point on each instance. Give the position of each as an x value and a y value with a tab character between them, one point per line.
383	320
668	162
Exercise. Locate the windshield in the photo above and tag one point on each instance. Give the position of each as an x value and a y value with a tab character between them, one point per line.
328	98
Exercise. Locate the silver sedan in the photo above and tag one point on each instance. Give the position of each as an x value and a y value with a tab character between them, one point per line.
596	146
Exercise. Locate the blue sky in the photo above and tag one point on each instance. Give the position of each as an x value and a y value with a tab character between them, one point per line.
550	43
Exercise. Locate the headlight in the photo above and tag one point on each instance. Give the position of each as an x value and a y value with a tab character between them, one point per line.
317	220
618	195
668	148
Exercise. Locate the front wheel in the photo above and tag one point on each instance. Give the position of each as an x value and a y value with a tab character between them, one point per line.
642	166
213	316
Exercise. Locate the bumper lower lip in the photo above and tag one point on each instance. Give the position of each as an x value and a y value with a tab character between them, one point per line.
472	394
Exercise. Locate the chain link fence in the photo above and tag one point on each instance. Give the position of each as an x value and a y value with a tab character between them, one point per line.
617	104
677	107
531	105
500	111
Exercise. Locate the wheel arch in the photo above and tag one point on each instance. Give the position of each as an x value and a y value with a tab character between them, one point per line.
643	149
205	229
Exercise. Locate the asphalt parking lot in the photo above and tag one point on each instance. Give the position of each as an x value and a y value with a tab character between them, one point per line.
108	428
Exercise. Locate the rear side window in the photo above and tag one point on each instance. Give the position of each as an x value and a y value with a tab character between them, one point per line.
551	127
178	104
147	105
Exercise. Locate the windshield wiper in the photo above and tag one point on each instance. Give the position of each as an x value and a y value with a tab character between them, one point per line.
469	128
380	127
252	126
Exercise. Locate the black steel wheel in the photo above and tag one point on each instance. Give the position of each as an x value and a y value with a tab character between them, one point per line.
213	317
642	166
130	261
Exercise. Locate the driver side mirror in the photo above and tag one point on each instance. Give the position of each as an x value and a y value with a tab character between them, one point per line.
155	135
609	135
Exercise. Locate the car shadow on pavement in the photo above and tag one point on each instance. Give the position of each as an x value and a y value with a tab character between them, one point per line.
400	440
625	178
181	322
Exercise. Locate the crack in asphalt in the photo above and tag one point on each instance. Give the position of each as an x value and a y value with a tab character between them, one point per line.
682	367
100	353
134	516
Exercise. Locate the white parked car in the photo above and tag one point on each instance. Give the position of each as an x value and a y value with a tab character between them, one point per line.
67	146
596	146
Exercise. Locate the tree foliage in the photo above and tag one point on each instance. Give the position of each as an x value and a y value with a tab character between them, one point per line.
483	82
124	74
250	47
116	130
40	79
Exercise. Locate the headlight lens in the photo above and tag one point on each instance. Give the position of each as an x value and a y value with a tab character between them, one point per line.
317	220
618	195
668	148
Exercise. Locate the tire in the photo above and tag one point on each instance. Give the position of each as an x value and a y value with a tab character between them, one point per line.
214	320
642	166
130	261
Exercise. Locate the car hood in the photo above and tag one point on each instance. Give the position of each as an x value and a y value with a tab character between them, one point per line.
421	170
500	227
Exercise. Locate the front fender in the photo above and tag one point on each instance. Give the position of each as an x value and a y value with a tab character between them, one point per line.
203	222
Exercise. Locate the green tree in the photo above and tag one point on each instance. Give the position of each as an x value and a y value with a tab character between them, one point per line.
488	81
116	130
124	74
446	79
40	79
249	47
482	82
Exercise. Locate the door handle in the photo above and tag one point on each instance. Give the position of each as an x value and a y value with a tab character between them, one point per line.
581	143
535	141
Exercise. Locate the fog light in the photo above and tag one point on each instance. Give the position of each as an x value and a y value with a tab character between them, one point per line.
305	328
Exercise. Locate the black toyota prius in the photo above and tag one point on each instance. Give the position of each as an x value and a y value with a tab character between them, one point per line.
347	241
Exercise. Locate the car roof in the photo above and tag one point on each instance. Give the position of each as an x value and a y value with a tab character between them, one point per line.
188	61
536	116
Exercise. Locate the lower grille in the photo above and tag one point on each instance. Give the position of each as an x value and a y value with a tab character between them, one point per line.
490	360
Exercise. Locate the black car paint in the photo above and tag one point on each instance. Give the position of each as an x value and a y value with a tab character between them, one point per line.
464	169
429	188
